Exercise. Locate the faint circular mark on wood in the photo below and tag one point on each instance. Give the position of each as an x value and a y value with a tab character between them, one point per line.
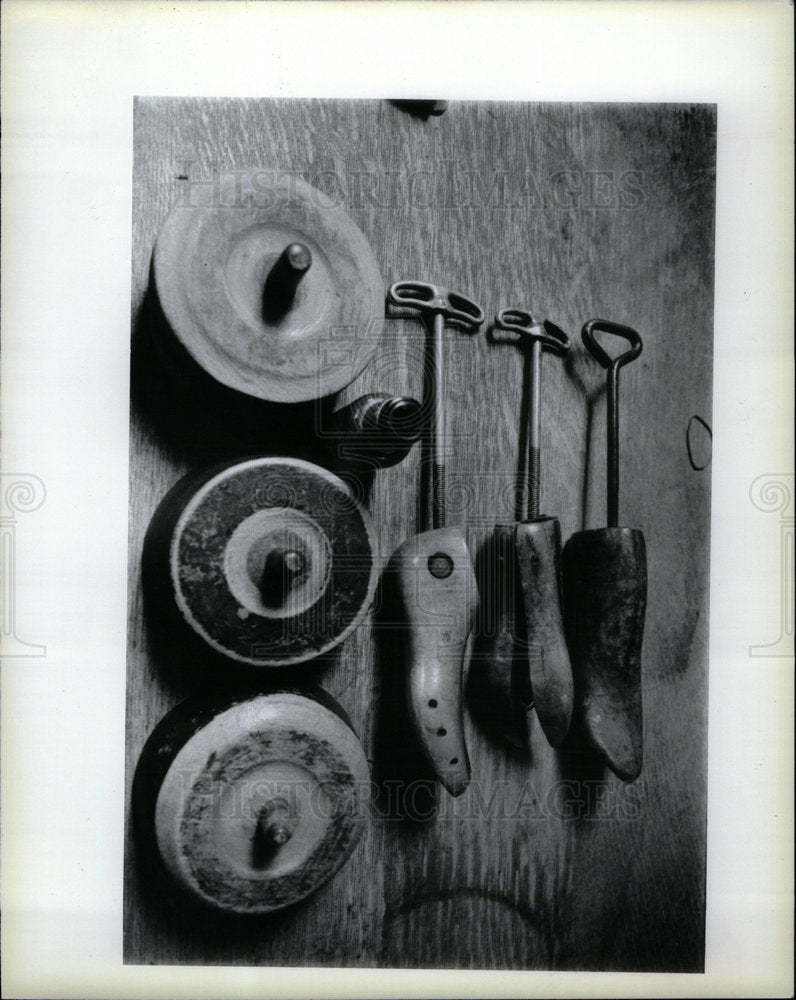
699	442
469	920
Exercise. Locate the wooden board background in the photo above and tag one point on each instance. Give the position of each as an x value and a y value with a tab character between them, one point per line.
576	211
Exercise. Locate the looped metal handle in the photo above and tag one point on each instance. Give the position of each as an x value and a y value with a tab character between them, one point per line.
432	299
617	330
523	324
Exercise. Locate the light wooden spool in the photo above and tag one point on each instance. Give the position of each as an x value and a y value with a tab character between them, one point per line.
253	806
303	336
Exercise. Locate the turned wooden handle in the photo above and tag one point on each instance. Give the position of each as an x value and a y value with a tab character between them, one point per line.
439	595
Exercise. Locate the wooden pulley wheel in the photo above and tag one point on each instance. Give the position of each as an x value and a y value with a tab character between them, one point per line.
253	803
271	561
269	286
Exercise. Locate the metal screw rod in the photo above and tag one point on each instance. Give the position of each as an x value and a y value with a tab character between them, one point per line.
438	426
612	432
534	431
442	305
538	335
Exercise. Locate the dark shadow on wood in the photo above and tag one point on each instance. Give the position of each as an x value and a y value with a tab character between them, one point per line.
199	420
359	480
584	777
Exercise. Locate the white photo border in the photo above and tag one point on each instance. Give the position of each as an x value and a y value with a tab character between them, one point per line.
70	71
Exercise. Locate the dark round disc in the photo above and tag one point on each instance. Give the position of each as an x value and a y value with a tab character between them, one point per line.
271	561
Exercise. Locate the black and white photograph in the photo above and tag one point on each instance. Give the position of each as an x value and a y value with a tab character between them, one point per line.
419	519
397	499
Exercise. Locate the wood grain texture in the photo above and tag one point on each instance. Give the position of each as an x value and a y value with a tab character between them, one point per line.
572	211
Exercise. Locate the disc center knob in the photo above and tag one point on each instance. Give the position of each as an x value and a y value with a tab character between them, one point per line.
276	824
283	281
277	563
283	569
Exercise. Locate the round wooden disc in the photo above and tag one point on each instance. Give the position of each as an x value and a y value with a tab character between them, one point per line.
211	261
212	541
254	805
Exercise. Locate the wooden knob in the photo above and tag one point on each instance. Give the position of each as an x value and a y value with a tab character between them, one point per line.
283	280
281	572
270	561
253	803
270	286
276	823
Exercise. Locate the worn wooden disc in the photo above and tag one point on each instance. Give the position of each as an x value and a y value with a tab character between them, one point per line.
254	804
212	262
271	561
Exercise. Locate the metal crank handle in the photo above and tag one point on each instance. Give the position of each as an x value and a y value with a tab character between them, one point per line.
430	298
523	328
439	594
